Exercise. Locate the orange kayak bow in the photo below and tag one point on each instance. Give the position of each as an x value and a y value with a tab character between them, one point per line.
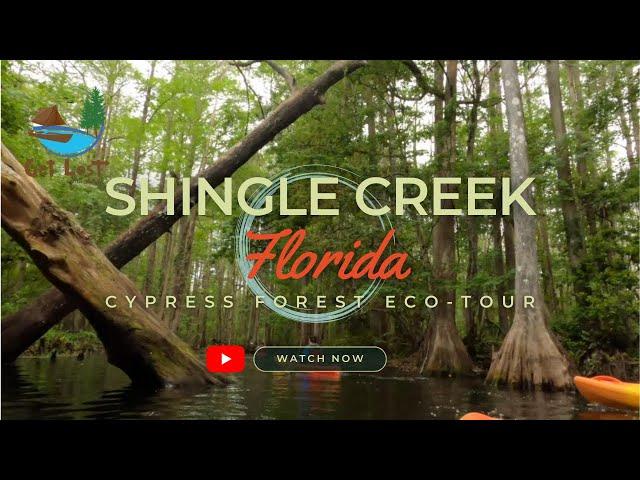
609	391
477	416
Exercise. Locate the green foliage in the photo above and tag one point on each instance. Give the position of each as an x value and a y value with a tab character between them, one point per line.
15	101
65	342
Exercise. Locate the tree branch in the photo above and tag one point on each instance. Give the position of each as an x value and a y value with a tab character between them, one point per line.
486	102
276	67
427	87
255	94
246	63
291	81
423	83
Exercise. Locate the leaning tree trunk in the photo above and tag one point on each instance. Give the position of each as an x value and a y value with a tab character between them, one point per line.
444	351
26	326
529	356
134	339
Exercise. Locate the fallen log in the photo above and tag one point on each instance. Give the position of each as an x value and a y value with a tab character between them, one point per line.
135	341
21	329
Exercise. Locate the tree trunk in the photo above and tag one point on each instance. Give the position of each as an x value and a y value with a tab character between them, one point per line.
626	133
495	132
372	137
575	93
583	163
134	339
23	328
472	271
509	252
182	258
203	313
167	274
547	264
498	270
220	285
529	356
149	284
109	100
572	224
182	263
633	89
572	227
472	221
577	108
256	327
622	113
137	152
151	254
444	351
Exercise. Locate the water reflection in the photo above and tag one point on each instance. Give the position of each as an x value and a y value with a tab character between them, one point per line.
604	415
93	389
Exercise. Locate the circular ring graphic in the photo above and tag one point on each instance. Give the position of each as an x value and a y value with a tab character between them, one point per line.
245	222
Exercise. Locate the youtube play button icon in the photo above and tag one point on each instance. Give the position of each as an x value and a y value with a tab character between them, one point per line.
225	358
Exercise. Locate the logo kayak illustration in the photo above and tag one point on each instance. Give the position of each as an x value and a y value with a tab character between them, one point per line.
58	138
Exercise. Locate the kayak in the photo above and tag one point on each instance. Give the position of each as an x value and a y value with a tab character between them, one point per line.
609	391
477	416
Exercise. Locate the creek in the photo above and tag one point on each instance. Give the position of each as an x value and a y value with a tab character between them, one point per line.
36	388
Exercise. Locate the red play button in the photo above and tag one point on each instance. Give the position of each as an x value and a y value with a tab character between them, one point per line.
225	358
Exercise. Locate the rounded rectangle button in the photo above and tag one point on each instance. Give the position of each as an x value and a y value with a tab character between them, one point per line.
314	358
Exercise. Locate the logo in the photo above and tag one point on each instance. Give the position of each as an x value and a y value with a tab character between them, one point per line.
225	359
249	262
52	131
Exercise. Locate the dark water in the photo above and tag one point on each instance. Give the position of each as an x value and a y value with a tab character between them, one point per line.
92	389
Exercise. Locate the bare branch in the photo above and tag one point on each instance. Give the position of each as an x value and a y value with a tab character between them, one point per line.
249	88
423	83
246	63
276	67
291	81
486	102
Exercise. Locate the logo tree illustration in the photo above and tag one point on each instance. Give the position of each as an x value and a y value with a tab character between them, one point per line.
93	111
